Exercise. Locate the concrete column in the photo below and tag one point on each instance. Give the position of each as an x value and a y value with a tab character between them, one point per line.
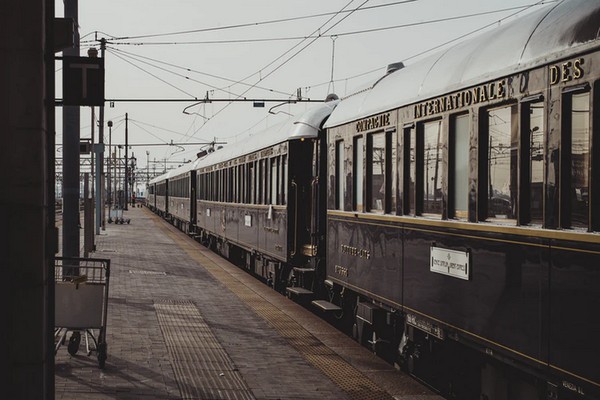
25	199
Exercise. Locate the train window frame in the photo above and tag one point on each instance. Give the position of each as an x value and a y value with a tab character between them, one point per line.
484	170
358	173
274	186
408	167
284	178
453	157
422	170
380	209
340	174
566	158
527	146
251	182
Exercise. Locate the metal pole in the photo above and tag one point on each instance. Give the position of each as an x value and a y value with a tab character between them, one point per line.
126	145
110	169
100	221
71	123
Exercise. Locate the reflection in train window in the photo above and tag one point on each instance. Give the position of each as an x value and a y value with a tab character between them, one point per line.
432	168
358	173
409	170
502	164
536	161
376	171
580	159
459	161
340	174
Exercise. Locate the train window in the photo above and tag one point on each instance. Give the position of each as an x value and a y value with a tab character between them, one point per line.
576	141
266	181
242	184
533	138
432	168
358	173
501	164
340	174
274	178
459	166
260	186
409	170
284	183
376	152
230	184
251	183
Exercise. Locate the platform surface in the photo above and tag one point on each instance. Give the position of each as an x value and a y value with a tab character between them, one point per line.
185	324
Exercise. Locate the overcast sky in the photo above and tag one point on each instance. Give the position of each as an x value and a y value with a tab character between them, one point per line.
145	60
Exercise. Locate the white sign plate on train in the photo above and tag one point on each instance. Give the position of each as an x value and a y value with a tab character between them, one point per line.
449	262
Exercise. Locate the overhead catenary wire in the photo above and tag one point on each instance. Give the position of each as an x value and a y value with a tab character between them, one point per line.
252	24
196	71
334	35
520	8
153	75
112	50
297	52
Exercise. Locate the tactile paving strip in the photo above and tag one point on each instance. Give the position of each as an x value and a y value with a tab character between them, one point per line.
202	367
349	379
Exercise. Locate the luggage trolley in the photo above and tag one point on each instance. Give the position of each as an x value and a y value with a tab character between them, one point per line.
81	304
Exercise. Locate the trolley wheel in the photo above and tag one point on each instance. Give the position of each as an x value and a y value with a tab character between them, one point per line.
74	341
102	355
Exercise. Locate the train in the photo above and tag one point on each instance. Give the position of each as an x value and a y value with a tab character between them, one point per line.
446	215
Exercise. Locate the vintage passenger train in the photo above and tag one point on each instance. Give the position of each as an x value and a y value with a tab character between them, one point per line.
448	215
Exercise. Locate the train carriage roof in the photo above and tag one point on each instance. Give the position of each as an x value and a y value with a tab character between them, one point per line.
305	125
172	173
550	33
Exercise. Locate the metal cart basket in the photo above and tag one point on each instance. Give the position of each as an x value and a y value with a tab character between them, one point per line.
81	304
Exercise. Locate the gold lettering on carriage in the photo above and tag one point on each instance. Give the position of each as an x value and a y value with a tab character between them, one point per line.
378	121
479	94
356	252
566	71
343	271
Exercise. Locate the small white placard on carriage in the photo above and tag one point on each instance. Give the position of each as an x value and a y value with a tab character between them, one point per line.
208	212
248	220
450	262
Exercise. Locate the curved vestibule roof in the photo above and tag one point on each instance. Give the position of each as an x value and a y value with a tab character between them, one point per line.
551	33
302	126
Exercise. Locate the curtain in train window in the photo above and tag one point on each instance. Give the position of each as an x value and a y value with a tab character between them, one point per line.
460	134
502	164
340	173
432	167
580	159
358	173
376	172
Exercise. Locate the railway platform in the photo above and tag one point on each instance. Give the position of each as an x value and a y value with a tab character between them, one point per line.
183	323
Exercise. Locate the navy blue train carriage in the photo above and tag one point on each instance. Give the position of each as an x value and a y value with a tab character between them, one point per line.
256	202
446	215
463	229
